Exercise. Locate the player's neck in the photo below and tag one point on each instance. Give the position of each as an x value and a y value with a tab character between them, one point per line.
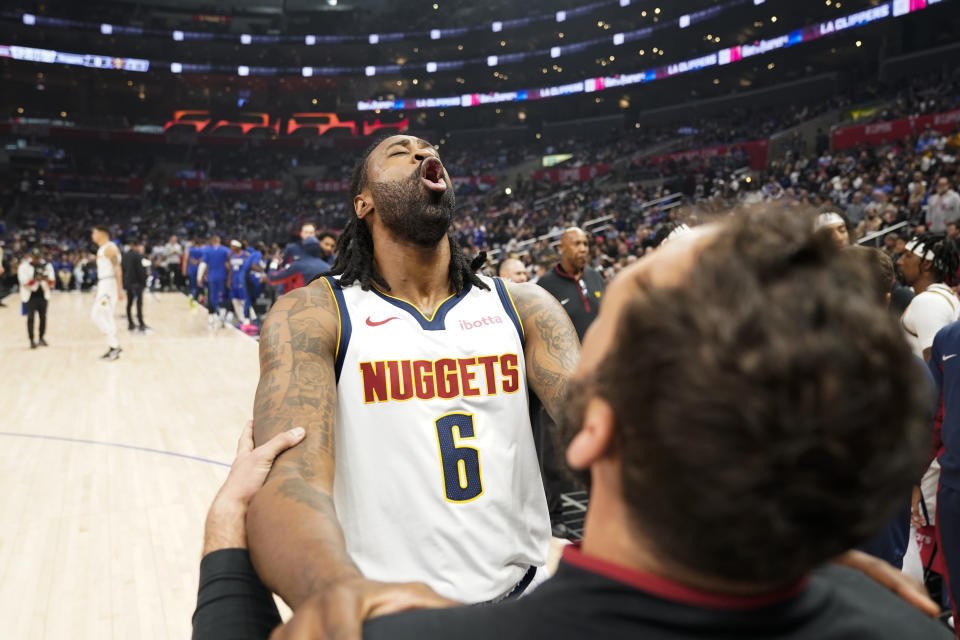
611	534
923	284
419	275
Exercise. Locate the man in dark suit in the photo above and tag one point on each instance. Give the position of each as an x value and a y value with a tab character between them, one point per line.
134	281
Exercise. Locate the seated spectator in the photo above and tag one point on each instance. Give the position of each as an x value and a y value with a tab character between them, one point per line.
732	450
870	224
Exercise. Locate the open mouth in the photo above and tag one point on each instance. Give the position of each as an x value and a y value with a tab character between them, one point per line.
431	173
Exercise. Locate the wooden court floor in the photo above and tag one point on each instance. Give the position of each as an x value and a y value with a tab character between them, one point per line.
107	468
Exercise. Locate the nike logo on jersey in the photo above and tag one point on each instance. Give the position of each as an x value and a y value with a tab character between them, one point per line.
565	301
952	355
371	323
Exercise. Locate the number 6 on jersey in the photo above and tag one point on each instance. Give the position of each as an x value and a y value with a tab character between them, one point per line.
461	465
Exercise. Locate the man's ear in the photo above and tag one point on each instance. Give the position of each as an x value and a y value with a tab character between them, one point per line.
596	437
362	204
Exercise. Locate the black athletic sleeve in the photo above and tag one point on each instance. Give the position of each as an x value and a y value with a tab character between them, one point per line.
232	602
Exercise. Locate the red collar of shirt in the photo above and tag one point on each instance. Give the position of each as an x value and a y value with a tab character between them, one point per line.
563	274
666	589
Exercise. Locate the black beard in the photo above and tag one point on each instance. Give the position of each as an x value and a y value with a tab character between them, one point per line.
412	212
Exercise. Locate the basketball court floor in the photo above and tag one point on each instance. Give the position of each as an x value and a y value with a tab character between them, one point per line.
107	468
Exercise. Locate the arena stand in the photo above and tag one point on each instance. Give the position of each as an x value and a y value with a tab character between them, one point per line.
625	180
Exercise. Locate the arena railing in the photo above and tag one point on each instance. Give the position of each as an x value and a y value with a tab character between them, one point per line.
595	225
876	235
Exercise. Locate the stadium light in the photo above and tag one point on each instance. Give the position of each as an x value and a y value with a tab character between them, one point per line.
491	61
624	3
29	19
370	71
176	67
243	70
554	52
561	16
434	34
178	36
617	39
106	29
497	27
684	21
310	40
374	38
431	67
245	38
307	72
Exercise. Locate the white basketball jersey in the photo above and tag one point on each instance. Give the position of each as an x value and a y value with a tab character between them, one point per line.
437	477
104	265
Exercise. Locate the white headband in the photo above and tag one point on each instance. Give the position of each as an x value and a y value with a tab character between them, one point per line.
679	230
827	220
915	248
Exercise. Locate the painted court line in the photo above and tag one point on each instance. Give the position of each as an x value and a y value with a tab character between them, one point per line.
117	445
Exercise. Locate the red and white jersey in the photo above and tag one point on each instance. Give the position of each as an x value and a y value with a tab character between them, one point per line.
437	477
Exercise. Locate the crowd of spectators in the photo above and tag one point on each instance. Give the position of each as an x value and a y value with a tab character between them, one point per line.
874	188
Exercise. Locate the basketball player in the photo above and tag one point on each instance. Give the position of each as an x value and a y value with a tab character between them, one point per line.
238	288
215	271
194	258
927	263
833	226
410	375
682	539
109	289
252	274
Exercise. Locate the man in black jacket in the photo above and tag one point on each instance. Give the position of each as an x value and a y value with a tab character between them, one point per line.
134	281
731	452
578	287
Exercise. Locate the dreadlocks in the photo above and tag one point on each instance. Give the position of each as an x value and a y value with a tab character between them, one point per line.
354	261
946	258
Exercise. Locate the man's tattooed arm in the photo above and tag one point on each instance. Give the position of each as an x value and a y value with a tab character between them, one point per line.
294	537
552	349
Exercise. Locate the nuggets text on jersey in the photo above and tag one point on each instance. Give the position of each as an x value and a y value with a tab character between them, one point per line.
400	380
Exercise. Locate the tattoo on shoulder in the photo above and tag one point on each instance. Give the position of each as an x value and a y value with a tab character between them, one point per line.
554	347
297	383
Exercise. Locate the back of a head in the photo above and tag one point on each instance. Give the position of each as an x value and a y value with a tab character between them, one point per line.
311	247
771	415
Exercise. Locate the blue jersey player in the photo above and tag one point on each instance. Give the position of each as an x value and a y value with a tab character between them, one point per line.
194	258
252	272
238	285
216	272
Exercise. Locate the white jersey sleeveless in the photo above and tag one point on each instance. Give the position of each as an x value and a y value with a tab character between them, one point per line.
437	477
104	264
928	312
